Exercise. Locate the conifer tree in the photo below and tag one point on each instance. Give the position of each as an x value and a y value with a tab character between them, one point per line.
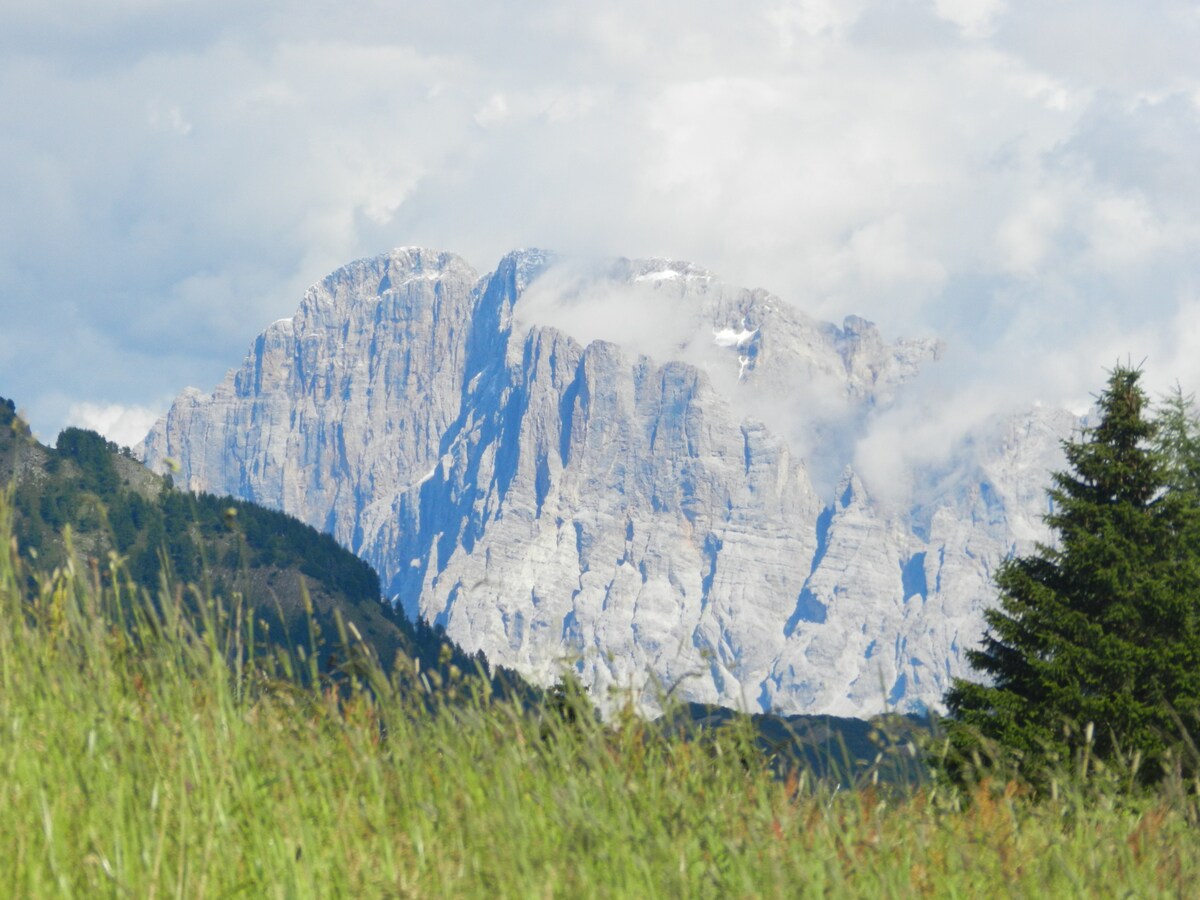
1097	636
1178	440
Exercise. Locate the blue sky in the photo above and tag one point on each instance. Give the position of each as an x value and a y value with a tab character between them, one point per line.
1018	178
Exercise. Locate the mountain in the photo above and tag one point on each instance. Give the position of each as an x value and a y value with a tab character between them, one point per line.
630	469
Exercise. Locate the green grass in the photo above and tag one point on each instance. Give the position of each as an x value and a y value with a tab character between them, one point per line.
136	760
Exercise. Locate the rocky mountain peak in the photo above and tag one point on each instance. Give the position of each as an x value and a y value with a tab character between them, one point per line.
610	467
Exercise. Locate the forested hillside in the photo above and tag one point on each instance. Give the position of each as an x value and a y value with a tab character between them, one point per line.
125	522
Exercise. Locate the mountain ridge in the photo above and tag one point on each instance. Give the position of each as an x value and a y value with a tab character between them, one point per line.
610	467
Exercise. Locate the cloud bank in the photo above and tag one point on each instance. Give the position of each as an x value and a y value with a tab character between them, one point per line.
124	425
1014	177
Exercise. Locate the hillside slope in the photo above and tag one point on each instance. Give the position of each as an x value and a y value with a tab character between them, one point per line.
116	509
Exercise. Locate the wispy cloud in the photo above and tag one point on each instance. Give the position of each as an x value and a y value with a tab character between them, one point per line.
125	425
1014	176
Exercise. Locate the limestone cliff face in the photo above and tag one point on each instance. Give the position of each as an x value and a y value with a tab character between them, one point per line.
337	412
627	501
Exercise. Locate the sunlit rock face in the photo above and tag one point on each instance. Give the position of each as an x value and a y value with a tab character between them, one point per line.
632	470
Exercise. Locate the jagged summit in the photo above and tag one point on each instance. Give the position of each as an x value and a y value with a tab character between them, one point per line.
611	467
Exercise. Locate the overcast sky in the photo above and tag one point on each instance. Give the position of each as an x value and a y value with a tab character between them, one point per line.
1020	178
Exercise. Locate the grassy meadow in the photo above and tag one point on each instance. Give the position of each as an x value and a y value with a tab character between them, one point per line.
145	752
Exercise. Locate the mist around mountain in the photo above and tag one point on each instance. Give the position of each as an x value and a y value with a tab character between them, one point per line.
635	472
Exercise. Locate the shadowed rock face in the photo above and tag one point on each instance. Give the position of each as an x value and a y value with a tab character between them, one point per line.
623	498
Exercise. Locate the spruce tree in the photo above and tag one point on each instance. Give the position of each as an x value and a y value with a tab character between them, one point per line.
1178	440
1097	636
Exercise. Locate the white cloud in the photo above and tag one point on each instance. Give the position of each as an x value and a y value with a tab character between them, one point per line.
647	317
797	21
494	111
125	425
1014	176
170	118
1026	237
976	18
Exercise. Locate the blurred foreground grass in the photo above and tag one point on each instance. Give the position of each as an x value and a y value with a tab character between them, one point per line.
147	752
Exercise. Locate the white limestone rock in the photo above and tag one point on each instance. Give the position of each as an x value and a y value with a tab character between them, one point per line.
611	468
